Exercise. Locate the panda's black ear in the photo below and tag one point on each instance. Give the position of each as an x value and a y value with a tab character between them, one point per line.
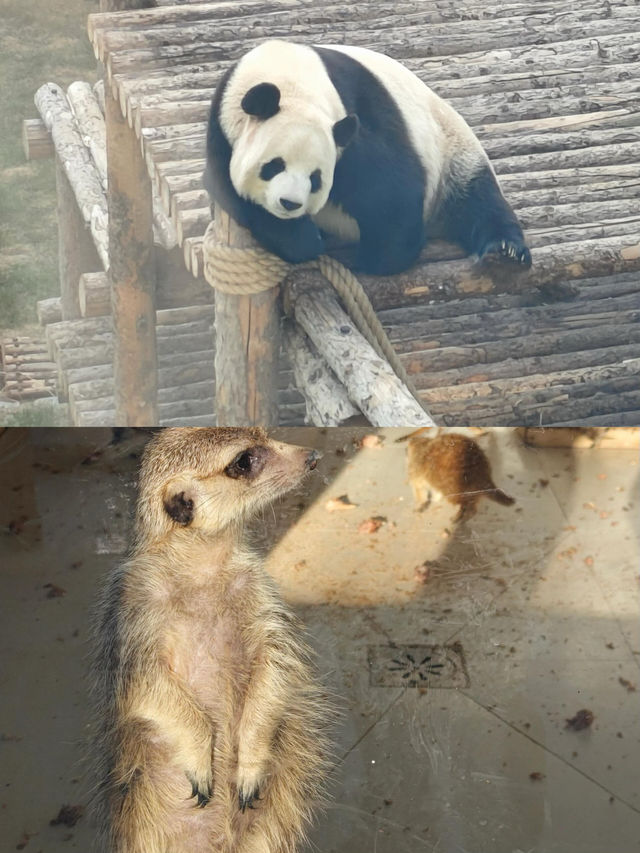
262	101
345	129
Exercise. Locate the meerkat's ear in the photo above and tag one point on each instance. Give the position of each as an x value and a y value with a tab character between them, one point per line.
179	501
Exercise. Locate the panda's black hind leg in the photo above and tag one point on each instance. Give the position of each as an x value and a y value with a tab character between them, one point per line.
479	218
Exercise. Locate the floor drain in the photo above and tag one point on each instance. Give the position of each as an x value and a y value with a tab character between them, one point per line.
417	666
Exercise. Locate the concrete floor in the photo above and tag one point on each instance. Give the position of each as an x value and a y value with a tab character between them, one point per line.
534	610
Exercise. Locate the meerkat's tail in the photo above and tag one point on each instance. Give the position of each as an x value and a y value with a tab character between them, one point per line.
501	497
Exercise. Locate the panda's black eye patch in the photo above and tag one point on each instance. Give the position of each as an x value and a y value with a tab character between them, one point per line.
272	168
316	181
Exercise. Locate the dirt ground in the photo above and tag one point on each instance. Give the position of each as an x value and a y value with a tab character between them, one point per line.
456	653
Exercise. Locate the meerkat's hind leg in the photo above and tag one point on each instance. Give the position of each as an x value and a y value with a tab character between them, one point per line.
467	508
422	495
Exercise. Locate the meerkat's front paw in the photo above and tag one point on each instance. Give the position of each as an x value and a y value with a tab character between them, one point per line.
201	786
249	784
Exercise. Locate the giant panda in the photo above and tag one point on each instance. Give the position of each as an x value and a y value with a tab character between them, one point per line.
307	140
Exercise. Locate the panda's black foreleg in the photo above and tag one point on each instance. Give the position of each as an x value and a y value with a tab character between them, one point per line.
479	218
293	240
392	238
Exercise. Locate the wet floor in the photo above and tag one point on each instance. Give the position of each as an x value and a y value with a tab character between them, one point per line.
457	653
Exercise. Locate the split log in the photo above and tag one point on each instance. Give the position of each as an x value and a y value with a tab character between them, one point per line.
551	265
75	162
91	124
98	91
80	248
132	274
94	293
326	399
36	140
49	310
247	345
370	383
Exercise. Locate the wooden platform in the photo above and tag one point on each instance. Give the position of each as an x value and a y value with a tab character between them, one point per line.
553	92
82	351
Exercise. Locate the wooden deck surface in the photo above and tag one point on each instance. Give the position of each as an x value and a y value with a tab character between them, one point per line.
553	92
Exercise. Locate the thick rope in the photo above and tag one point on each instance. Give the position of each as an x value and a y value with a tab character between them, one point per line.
254	270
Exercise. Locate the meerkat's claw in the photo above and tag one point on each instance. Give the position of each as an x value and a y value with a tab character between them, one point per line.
202	792
246	800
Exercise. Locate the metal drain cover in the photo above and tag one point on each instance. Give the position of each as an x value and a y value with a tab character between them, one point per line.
417	666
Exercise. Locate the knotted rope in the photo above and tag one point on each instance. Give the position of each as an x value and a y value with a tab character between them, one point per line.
254	270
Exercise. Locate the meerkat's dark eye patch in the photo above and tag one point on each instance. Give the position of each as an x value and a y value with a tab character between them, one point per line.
272	168
316	180
247	464
180	508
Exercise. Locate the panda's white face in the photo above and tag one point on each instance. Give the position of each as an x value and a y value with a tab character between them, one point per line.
285	166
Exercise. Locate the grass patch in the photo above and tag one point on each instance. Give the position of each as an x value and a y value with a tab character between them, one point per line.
40	42
34	415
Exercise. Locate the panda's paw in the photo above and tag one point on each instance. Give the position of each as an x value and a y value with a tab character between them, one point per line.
512	251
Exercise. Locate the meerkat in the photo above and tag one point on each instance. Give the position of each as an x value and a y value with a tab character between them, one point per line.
452	466
211	725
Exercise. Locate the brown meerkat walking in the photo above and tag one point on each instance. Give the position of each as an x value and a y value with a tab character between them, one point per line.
210	722
452	466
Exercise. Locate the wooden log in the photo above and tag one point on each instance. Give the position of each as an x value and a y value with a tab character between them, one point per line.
511	145
189	200
77	166
513	321
251	12
192	223
90	121
247	345
326	399
465	35
562	177
448	40
551	265
601	155
175	285
36	140
533	344
205	79
98	91
543	382
91	124
132	274
77	249
49	310
370	383
602	191
94	293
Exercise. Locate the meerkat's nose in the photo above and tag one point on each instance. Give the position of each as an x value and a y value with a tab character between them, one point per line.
312	459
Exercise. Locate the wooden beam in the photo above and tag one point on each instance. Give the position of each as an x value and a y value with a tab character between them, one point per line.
247	345
36	140
132	273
